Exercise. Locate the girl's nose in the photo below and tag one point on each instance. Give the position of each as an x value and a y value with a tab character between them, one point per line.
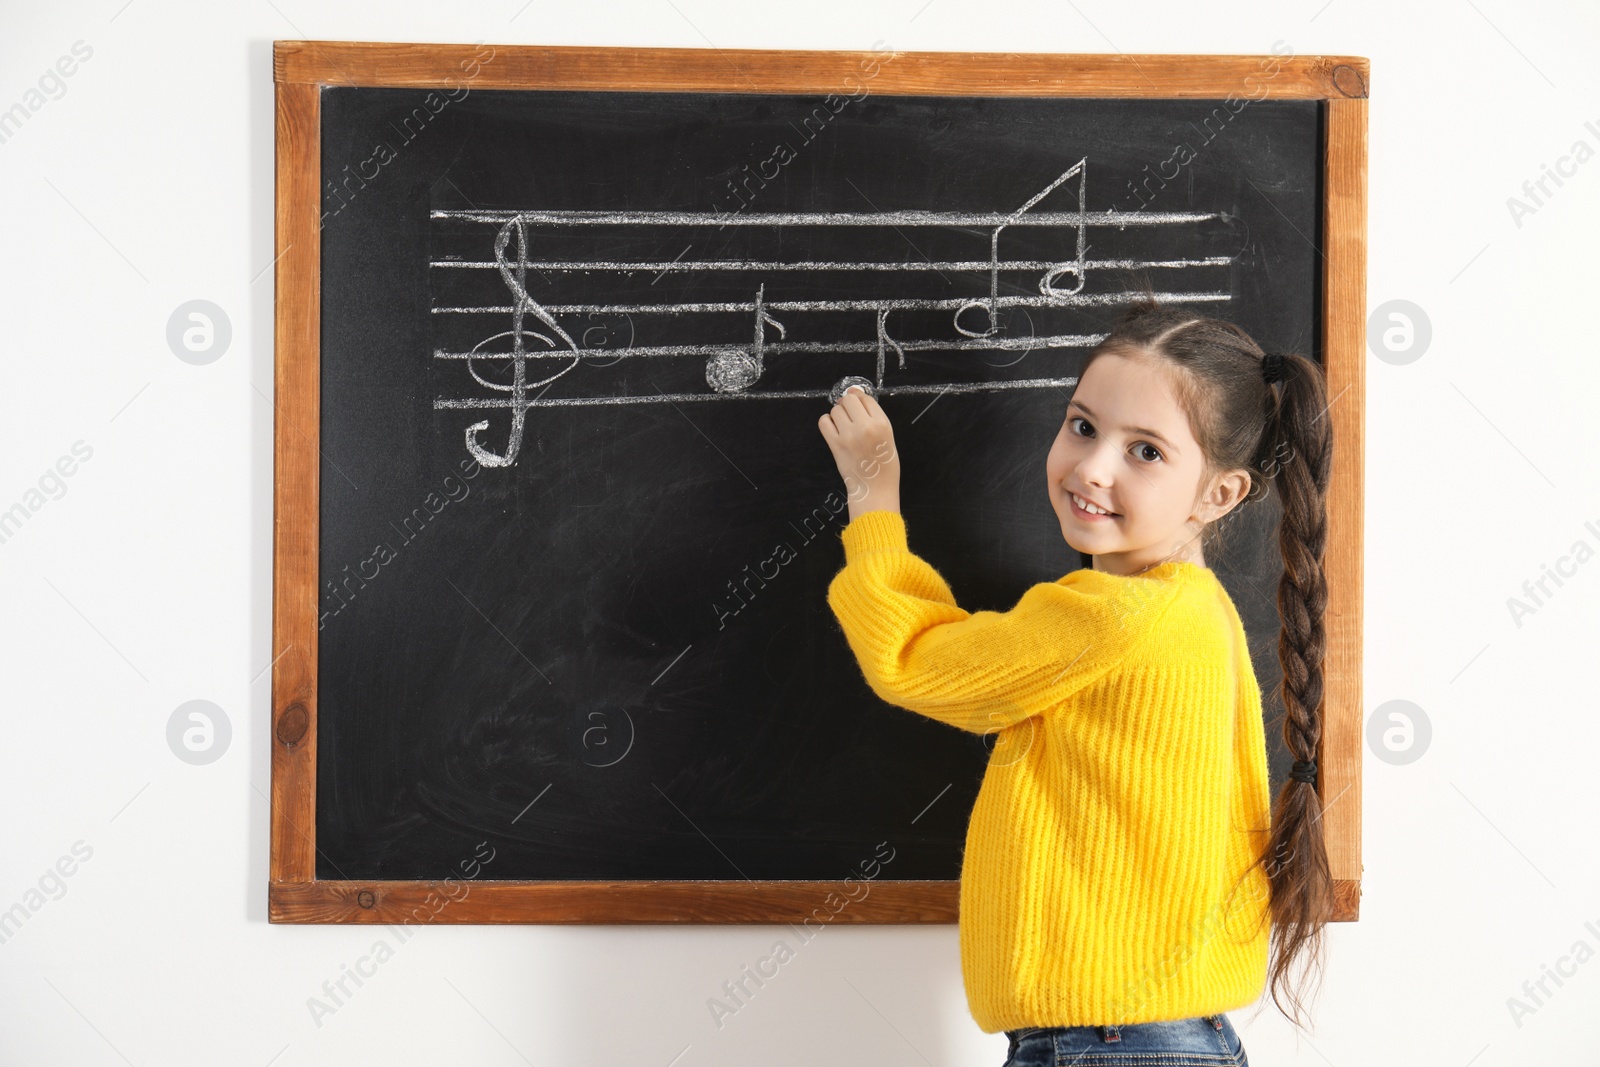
1092	470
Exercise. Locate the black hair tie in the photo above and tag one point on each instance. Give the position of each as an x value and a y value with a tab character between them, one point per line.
1274	367
1304	771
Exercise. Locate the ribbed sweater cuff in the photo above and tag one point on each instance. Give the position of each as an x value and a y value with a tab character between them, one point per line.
874	531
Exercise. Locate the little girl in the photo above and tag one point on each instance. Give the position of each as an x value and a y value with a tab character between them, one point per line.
1124	873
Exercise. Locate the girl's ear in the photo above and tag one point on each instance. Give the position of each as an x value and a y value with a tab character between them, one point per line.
1226	492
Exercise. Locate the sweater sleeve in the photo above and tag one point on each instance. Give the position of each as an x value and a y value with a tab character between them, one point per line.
979	671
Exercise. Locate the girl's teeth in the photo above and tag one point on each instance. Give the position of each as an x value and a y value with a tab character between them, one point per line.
1090	508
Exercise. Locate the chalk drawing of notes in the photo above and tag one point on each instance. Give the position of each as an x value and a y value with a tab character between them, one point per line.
571	255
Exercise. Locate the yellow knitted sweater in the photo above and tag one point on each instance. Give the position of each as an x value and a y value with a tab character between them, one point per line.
1107	871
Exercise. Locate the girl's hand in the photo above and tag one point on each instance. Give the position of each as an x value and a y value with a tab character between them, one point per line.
862	442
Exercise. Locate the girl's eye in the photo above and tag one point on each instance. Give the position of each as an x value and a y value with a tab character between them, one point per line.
1153	448
1074	420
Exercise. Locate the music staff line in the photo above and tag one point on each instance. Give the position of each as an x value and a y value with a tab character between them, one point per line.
661	266
1028	344
1119	219
778	394
890	303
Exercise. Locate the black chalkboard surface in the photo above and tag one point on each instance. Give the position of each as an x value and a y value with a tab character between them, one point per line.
596	635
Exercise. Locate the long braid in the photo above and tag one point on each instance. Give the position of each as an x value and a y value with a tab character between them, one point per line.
1300	440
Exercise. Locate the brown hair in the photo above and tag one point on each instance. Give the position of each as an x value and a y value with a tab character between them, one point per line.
1279	432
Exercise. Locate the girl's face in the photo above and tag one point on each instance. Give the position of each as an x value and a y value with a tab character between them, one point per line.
1125	445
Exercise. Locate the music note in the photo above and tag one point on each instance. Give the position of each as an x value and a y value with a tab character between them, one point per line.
733	370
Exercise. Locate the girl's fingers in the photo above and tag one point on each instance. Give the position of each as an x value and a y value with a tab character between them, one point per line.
855	402
855	411
867	402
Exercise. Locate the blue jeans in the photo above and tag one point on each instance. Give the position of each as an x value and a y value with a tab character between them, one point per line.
1201	1041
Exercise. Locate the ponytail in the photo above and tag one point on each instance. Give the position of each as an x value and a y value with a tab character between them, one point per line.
1298	447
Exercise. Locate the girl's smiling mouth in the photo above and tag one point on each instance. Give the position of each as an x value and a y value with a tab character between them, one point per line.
1082	511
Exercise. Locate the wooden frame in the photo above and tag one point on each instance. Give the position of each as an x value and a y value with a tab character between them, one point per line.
300	68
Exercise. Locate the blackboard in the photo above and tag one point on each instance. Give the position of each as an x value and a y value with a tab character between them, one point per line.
593	638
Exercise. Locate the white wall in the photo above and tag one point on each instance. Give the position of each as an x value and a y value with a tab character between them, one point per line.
147	583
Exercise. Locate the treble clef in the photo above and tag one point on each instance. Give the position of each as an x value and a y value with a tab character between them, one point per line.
515	278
